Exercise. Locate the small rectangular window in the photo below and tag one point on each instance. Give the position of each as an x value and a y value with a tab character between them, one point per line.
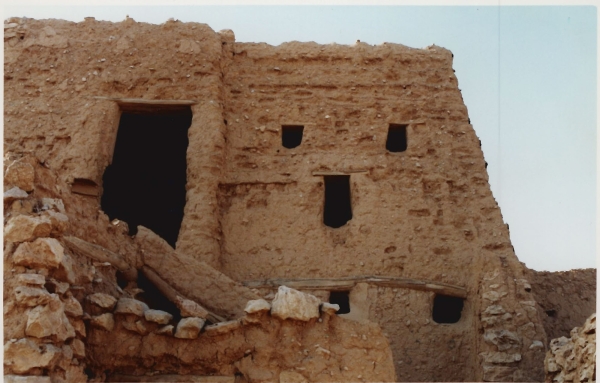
338	207
342	299
396	138
291	135
447	309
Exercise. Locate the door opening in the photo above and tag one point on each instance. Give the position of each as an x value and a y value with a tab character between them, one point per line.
145	184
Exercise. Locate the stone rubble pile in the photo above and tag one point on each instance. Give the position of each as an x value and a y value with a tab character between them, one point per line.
44	285
573	359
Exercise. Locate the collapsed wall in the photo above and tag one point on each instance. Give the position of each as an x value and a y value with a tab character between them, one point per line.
348	172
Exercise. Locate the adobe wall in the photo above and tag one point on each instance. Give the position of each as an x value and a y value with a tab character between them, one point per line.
565	298
425	216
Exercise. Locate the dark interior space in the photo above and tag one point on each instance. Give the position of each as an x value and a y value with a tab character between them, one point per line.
447	309
155	299
341	298
145	184
396	138
338	209
291	135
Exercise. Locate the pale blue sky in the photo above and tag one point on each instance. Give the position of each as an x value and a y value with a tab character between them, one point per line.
527	75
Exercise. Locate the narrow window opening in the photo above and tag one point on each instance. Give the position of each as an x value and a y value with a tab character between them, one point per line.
291	135
447	309
551	313
341	298
338	208
155	299
396	138
145	184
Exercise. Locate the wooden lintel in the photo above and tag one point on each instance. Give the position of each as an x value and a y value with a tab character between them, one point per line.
143	106
339	172
340	284
146	101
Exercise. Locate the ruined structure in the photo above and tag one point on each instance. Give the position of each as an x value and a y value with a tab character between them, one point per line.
163	182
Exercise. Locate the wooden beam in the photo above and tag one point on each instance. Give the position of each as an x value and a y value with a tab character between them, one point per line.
140	105
101	254
339	172
340	284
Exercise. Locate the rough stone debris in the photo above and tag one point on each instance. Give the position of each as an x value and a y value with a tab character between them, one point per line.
423	220
573	359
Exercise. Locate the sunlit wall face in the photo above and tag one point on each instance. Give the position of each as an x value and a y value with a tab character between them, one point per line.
527	75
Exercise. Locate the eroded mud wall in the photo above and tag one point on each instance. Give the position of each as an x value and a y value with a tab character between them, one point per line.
60	82
565	298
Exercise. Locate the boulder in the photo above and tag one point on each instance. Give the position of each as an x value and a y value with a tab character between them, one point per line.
73	307
222	328
104	301
78	348
502	339
30	279
257	306
31	296
22	228
330	308
24	355
49	320
190	308
41	253
105	321
189	328
131	306
165	330
294	304
14	194
20	174
158	316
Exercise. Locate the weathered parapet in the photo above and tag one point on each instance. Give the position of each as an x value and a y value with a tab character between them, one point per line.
294	338
573	359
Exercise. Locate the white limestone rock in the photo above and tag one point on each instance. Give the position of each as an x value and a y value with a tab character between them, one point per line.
31	296
49	320
41	253
256	306
330	308
105	321
190	308
131	306
23	228
24	355
20	174
31	279
158	316
102	300
189	328
294	304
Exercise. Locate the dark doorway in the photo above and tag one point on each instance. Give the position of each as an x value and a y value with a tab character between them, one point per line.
338	208
145	184
396	138
447	309
291	135
341	298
